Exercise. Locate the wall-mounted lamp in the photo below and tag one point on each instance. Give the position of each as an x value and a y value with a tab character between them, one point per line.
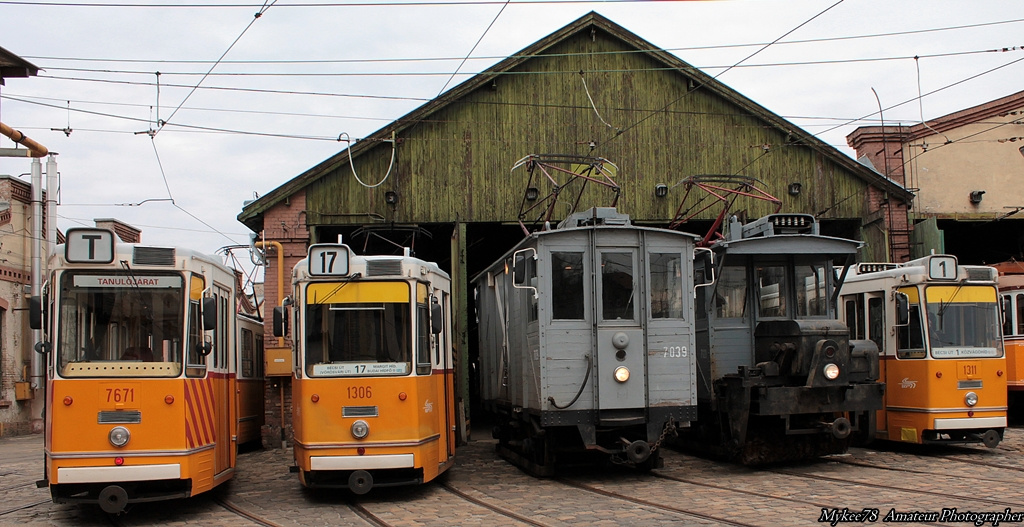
391	198
794	189
532	193
976	196
660	190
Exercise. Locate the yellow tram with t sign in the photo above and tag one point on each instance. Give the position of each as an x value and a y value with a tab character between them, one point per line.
141	389
373	388
937	325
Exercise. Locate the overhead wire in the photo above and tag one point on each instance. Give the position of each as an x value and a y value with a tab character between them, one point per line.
687	92
502	57
471	50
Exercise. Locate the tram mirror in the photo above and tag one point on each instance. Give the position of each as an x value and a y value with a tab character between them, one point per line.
209	313
902	309
704	263
524	269
436	322
35	312
280	322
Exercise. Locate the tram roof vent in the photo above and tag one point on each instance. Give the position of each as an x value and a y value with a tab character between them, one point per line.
775	224
875	267
595	216
981	274
384	267
153	256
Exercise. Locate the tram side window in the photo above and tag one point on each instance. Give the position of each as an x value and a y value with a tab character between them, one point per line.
876	321
911	336
666	285
731	292
1008	312
1020	315
567	285
196	364
853	306
422	339
617	286
526	275
248	347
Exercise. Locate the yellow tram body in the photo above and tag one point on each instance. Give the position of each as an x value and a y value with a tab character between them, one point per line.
1011	291
944	365
373	393
142	389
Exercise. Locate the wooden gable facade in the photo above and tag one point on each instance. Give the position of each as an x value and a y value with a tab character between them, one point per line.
590	89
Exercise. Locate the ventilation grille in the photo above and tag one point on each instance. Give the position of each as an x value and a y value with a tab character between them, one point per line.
384	268
153	256
121	417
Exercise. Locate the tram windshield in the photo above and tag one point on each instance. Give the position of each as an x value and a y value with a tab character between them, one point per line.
358	328
963	321
120	324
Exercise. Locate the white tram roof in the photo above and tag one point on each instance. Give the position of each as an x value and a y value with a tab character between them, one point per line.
921	270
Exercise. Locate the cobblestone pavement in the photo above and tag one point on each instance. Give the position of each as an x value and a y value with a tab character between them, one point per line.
895	484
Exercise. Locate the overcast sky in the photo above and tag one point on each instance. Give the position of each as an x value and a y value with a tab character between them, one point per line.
306	71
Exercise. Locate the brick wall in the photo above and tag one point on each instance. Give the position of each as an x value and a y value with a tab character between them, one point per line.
284	223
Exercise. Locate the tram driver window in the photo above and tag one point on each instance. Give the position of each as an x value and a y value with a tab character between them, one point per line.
731	292
617	286
567	285
666	285
911	336
771	290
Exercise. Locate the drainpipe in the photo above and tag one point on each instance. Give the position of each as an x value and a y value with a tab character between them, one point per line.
280	296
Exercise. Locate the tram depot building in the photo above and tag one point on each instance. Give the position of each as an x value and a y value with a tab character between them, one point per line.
439	180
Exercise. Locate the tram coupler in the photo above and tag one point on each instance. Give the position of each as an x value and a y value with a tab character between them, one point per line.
989	438
840	428
637	451
113	499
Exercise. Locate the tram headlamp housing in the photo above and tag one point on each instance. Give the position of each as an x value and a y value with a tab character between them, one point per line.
831	371
360	429
119	436
621	374
971	398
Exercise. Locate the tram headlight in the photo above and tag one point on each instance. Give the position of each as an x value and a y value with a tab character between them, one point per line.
831	371
360	429
621	374
119	436
971	398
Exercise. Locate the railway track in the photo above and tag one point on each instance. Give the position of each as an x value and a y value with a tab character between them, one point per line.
490	506
881	486
648	503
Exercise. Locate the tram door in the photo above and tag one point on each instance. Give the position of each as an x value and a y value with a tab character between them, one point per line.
224	406
619	312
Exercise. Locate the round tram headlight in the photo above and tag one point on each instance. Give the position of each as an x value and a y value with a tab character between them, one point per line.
831	371
119	436
621	374
971	398
360	429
